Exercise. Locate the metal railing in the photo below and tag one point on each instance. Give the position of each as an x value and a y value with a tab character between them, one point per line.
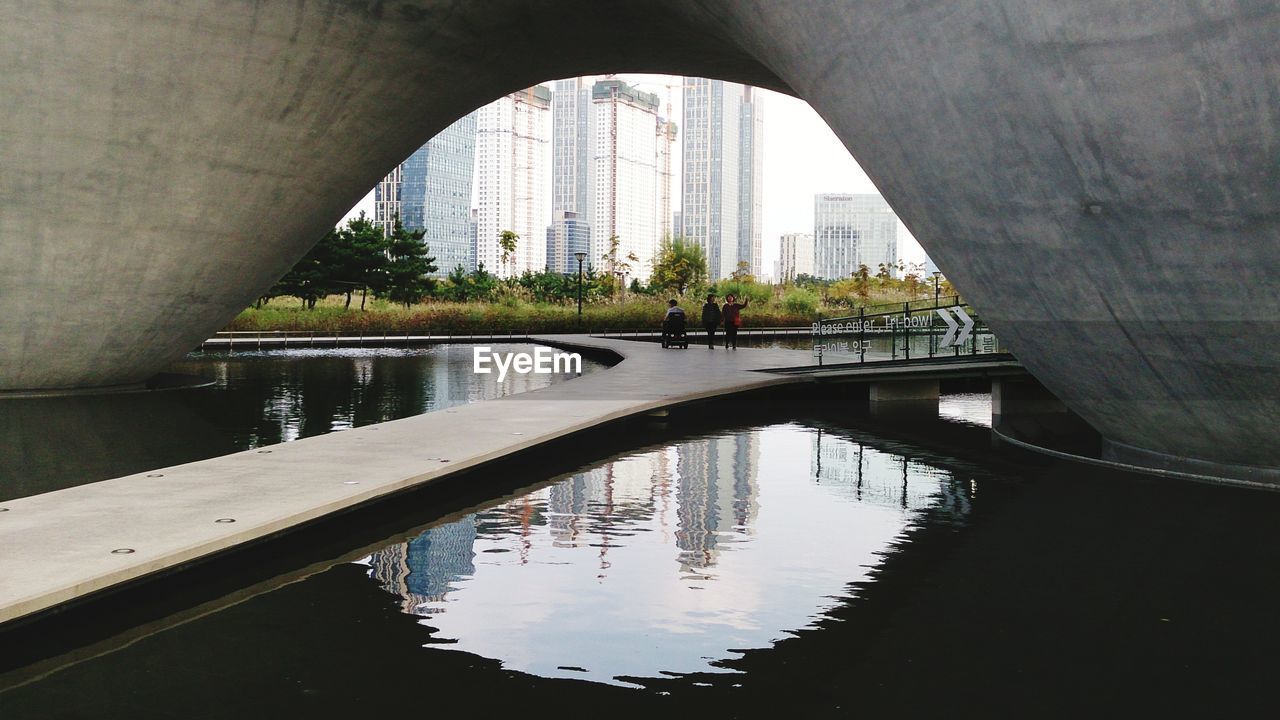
265	339
760	331
948	327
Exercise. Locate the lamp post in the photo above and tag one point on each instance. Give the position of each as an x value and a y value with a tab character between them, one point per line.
580	256
936	275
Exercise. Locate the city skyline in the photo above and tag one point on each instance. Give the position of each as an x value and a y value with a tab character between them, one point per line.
801	158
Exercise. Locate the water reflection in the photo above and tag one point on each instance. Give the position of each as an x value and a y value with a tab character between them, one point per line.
282	395
668	561
828	567
968	408
259	398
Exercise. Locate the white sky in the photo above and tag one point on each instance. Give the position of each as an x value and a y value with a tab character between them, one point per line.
802	158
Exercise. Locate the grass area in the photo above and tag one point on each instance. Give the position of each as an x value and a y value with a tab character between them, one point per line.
441	317
791	308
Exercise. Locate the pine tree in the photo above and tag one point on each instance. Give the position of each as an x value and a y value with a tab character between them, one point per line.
361	258
408	266
312	277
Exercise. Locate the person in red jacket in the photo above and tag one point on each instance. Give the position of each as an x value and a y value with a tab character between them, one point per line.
732	319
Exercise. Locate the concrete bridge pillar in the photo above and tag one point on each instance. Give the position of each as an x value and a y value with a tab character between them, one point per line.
1014	399
897	397
1024	410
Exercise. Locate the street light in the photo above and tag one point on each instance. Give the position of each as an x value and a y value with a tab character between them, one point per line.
581	256
936	274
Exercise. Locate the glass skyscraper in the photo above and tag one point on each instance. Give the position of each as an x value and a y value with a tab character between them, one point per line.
568	235
723	135
513	153
853	230
751	181
572	130
431	191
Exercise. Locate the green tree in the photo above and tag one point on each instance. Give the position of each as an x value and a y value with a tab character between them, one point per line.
507	241
362	259
408	266
610	257
462	286
800	301
678	266
862	282
757	292
456	285
312	277
913	281
617	268
548	286
742	273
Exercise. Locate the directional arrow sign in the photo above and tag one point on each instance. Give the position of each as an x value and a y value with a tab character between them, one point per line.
964	328
952	327
968	324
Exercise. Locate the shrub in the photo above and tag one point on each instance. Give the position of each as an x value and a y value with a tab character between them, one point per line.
800	302
757	292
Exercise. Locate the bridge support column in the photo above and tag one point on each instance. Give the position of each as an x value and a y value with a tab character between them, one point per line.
1023	409
1014	398
903	396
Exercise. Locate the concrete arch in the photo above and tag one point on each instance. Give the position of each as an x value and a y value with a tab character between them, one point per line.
1100	178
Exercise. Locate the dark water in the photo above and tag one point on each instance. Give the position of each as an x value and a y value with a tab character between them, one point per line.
258	398
759	559
782	555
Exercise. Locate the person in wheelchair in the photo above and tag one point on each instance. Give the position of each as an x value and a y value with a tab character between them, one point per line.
673	327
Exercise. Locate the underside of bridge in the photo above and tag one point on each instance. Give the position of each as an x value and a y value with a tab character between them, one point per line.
1101	179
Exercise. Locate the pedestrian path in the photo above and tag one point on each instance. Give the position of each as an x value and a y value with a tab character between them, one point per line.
63	545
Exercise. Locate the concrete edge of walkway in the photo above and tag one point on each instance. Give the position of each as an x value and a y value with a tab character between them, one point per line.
107	571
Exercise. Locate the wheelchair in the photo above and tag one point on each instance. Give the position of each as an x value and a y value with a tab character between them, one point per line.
673	332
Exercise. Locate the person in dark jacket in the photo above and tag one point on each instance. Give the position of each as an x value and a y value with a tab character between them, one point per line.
711	320
732	319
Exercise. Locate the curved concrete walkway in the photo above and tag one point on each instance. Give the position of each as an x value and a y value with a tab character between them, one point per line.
63	545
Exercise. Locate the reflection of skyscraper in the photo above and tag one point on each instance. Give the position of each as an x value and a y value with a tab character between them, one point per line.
715	493
872	476
425	568
603	500
569	501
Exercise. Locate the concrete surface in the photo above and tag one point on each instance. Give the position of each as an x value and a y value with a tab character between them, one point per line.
903	390
170	516
1101	179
